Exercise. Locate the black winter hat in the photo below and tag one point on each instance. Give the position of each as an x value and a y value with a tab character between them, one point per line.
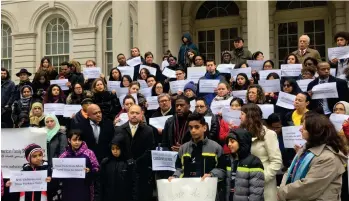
23	70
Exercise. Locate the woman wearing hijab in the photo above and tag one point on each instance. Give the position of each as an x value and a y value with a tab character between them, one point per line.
21	107
36	115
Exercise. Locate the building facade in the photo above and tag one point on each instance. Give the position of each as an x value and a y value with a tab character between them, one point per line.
100	30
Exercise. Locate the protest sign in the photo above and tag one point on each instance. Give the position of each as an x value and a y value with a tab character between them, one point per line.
286	100
92	73
326	90
187	189
292	136
24	181
68	167
164	160
159	122
13	142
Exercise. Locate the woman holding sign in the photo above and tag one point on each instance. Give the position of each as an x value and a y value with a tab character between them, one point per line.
301	104
316	171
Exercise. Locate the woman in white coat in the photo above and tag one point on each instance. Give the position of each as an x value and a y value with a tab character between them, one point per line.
265	146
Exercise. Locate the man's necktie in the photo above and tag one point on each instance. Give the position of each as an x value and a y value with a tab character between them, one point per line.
321	101
133	130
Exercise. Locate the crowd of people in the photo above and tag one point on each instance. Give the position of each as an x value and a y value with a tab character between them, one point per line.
249	158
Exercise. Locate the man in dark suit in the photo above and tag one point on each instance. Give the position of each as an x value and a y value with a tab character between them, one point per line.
139	140
326	105
97	132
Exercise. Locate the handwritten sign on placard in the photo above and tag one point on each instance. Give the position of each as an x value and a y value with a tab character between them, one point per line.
291	70
68	167
208	86
195	73
270	85
187	189
292	136
24	181
164	160
92	73
61	83
326	90
338	52
286	100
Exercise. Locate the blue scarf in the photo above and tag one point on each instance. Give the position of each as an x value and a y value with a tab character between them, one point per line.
299	167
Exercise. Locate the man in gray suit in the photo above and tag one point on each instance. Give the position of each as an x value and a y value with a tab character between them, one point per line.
304	51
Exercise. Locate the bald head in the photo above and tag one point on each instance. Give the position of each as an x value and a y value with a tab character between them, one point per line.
303	42
94	113
135	114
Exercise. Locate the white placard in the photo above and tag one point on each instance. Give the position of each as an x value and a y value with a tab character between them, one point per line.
338	120
152	70
143	84
187	189
208	86
237	71
146	91
92	73
325	90
28	181
13	142
217	106
113	85
134	61
291	70
122	92
169	73
292	136
68	167
208	120
225	68
153	103
231	116
303	84
69	110
122	97
164	160
192	105
338	52
159	122
264	73
123	119
267	109
255	64
270	85
195	73
240	94
127	71
178	85
286	100
61	83
164	64
54	108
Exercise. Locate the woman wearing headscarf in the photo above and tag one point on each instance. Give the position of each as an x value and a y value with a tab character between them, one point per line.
21	107
36	115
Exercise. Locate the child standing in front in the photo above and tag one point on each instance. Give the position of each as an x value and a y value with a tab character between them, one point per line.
76	189
34	155
118	178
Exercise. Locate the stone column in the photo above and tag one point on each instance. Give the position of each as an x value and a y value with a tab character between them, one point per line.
121	28
150	36
174	26
258	26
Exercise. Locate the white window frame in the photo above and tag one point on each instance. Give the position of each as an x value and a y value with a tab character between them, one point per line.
106	52
8	45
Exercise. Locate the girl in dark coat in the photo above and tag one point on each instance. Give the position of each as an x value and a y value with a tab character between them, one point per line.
40	86
118	178
76	189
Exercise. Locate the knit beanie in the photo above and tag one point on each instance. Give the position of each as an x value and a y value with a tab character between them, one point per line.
190	85
30	149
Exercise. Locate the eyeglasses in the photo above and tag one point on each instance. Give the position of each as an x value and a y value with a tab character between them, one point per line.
200	106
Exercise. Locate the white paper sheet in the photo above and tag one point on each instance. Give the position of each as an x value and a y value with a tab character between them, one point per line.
208	86
69	110
240	94
122	91
69	167
325	90
292	136
255	64
338	52
169	73
225	68
267	109
164	64
178	85
92	73
159	122
143	84
123	119
270	85
134	61
151	69
289	70
113	85
208	120
54	108
61	83
146	91
286	100
127	71
195	73
231	116
27	181
264	73
187	189
303	84
153	103
192	105
122	97
217	106
247	71
164	160
338	120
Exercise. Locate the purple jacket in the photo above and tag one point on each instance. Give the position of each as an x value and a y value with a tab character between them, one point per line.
75	189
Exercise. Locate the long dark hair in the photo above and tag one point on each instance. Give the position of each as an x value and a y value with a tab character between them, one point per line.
146	72
243	87
322	131
253	122
295	88
111	74
291	54
8	77
49	98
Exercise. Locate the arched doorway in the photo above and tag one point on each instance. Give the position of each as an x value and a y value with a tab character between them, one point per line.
216	24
